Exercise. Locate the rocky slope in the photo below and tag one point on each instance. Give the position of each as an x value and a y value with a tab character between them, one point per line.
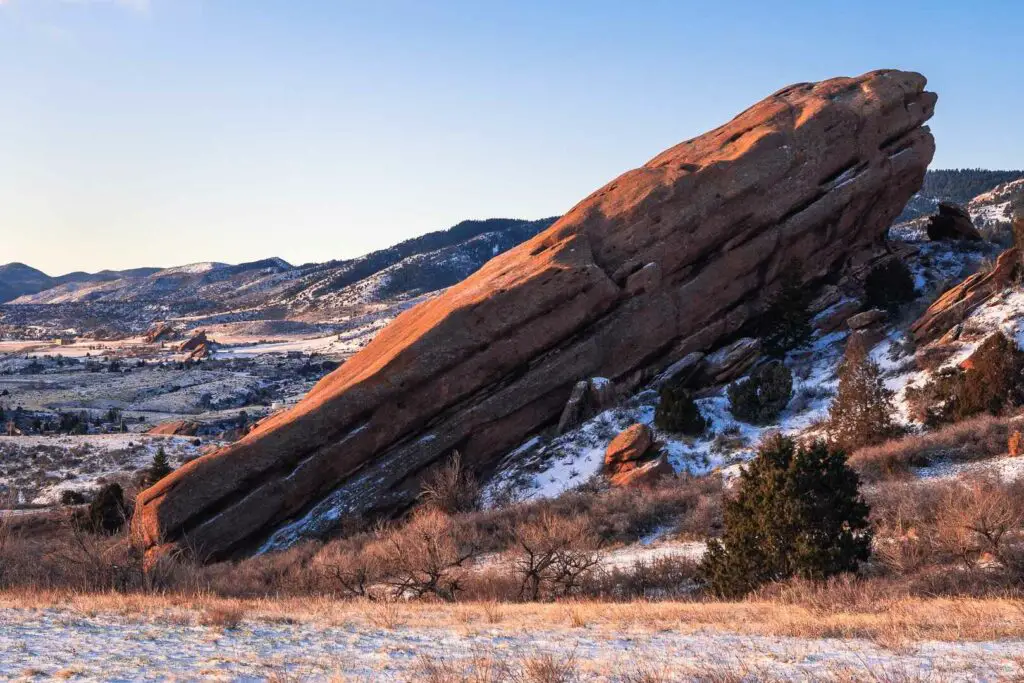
674	257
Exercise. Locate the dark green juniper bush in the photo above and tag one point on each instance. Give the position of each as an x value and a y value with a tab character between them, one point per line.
889	286
678	412
759	398
798	512
786	323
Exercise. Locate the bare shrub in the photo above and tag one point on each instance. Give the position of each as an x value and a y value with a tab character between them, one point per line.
972	439
428	556
661	578
841	593
975	520
452	488
903	514
481	667
224	617
549	667
551	554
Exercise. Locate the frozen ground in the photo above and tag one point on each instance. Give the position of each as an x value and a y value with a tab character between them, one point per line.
53	643
36	469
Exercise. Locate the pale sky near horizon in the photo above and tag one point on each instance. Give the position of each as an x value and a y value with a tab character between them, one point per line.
163	132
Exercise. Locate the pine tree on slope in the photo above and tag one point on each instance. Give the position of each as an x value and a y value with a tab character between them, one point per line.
861	413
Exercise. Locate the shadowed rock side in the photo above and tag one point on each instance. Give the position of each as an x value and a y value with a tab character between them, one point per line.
670	258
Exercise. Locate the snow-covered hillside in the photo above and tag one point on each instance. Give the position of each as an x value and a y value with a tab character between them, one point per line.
545	466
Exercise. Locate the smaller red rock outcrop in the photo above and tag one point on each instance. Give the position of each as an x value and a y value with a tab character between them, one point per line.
175	428
952	222
159	332
632	458
865	319
194	342
957	303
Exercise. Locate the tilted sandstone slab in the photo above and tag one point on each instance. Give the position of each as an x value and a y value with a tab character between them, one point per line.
957	302
673	257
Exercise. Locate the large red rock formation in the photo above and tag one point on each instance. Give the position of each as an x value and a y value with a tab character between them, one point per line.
672	257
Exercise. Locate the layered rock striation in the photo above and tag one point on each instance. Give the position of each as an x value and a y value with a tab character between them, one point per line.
677	256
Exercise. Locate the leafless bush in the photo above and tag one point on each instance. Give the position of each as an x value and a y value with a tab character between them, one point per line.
551	555
971	439
661	578
903	515
428	556
981	518
452	488
226	618
845	592
346	568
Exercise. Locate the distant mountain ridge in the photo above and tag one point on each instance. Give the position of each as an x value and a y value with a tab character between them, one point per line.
956	185
18	279
311	291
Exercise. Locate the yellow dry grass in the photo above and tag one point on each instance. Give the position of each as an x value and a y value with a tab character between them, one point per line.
891	623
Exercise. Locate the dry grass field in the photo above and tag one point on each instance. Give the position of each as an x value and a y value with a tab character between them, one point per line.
843	634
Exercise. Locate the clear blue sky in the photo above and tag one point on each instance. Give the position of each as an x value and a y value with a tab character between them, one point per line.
161	132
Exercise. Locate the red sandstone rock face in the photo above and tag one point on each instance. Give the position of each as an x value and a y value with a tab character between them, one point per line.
956	303
632	459
197	341
670	258
159	331
175	428
630	446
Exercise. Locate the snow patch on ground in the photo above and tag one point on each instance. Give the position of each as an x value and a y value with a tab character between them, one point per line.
61	643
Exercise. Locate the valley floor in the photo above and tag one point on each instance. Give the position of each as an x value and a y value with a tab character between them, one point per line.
150	637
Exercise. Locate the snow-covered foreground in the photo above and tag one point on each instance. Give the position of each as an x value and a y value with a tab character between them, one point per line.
52	643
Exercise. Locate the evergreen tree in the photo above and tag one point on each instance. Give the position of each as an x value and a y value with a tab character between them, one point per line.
677	412
107	512
889	286
992	382
786	323
159	468
798	512
861	413
760	398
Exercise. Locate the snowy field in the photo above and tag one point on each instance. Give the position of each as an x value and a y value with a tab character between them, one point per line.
37	469
61	643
